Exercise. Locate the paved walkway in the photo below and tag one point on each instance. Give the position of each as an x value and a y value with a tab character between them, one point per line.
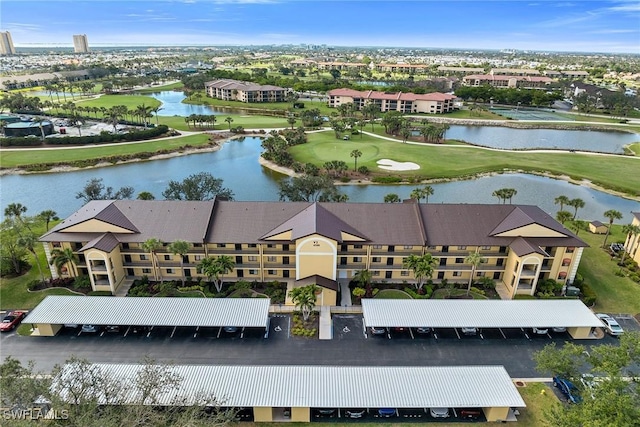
345	294
124	288
326	326
501	289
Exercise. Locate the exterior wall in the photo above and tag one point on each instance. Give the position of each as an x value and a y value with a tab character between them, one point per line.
496	414
579	333
632	243
47	330
262	414
96	226
602	229
316	254
326	297
301	415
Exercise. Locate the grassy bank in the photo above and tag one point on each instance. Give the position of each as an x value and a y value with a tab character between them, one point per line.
448	162
21	158
246	121
615	294
129	101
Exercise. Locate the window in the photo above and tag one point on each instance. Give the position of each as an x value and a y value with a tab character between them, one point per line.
408	247
197	245
357	246
375	273
253	272
221	245
357	259
479	273
271	272
56	244
271	259
252	258
566	262
167	257
170	271
252	245
146	271
285	247
377	246
376	259
125	246
143	258
457	274
271	245
570	250
485	248
197	257
462	248
404	273
459	260
562	275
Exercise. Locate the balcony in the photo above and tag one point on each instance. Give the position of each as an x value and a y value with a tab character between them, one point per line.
232	251
352	266
526	272
98	267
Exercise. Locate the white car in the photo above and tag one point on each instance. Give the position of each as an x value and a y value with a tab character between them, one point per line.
540	331
610	324
469	330
439	412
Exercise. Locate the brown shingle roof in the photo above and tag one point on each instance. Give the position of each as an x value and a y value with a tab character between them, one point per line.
523	247
103	210
318	280
106	243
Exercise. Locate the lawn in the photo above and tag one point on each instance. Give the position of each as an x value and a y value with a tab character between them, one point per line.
12	159
129	101
246	121
447	161
280	106
473	115
392	294
153	89
615	294
635	148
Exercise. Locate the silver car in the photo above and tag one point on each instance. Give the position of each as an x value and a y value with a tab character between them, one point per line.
610	324
439	412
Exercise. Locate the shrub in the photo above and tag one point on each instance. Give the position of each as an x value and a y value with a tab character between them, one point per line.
33	285
100	294
363	170
387	179
477	290
588	295
82	282
359	292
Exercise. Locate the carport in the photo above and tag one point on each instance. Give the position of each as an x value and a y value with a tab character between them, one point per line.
294	393
56	311
570	313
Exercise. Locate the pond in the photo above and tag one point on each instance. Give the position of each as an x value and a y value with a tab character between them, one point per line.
518	139
237	164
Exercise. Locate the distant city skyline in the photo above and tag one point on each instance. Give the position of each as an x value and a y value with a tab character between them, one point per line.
611	26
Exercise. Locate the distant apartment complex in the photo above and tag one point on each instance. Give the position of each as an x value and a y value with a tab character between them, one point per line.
632	243
507	81
235	90
433	103
80	43
6	44
323	243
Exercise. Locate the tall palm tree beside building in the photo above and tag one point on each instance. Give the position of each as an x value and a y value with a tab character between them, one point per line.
632	232
422	267
561	200
29	242
61	258
180	248
304	298
576	204
475	259
152	246
612	214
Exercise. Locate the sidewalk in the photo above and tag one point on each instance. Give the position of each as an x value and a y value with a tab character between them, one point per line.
326	326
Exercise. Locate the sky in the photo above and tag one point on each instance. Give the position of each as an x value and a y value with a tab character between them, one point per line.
542	25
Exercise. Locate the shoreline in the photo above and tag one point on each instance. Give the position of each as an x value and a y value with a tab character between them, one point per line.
289	172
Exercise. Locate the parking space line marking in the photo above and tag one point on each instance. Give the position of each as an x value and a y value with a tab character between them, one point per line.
503	335
457	333
364	329
411	333
125	334
288	326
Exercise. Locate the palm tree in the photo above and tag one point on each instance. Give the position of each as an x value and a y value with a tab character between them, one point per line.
561	200
576	204
180	248
612	214
500	194
422	267
475	259
509	193
152	245
62	257
229	120
355	154
216	268
14	210
291	120
304	298
416	194
29	242
427	191
392	198
47	216
631	231
363	278
580	225
563	216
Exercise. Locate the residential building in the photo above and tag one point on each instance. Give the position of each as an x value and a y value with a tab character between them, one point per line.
596	227
505	81
6	44
520	72
80	43
460	70
434	103
235	90
632	242
342	66
402	68
322	243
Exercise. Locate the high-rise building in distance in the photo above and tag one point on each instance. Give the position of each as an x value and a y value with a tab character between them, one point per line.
6	44
80	44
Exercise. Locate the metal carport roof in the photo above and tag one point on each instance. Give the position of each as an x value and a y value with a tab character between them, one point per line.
478	313
334	386
125	311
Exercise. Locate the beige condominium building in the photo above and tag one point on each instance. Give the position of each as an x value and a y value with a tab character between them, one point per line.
434	103
6	44
502	81
322	243
235	90
632	242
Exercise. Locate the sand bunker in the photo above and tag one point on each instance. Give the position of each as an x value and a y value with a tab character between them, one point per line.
392	165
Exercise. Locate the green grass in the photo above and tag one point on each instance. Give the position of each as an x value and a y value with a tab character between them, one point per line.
446	161
635	148
153	89
279	106
475	115
392	294
12	159
581	118
442	293
129	101
615	294
246	121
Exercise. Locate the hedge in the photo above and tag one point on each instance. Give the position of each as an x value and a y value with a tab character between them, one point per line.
103	137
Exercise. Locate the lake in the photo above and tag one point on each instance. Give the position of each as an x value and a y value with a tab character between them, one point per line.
237	164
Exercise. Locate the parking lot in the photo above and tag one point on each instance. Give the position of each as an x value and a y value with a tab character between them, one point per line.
397	415
444	334
348	327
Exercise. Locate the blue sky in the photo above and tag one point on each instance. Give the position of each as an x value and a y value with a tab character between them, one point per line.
579	25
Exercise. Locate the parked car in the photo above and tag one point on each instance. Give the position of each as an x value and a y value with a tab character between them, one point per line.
469	331
616	247
112	329
355	413
559	329
567	388
439	412
610	324
230	329
11	320
540	331
378	331
89	329
470	413
325	412
387	412
423	330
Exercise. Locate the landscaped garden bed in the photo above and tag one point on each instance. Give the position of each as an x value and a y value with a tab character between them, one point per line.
305	328
79	285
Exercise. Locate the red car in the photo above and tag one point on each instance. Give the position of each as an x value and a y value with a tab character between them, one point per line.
11	320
